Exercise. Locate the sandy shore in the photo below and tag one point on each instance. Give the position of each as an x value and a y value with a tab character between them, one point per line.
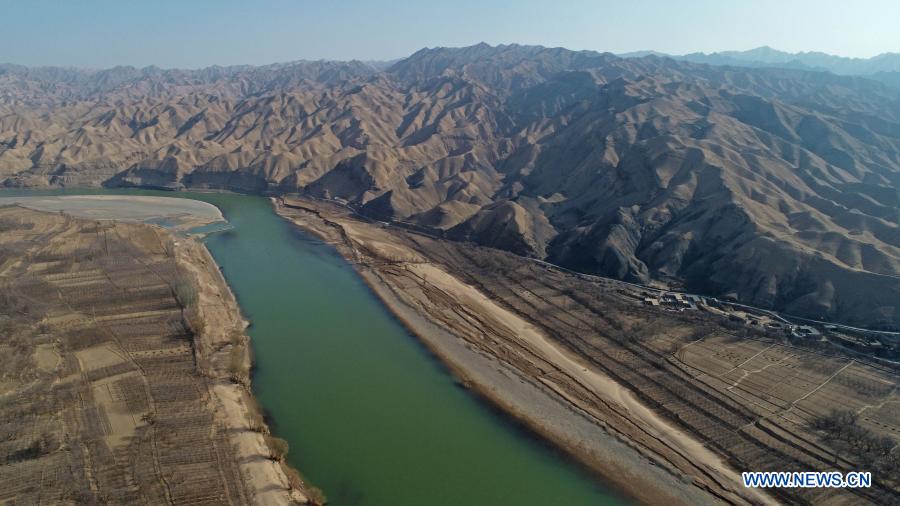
222	331
447	315
179	214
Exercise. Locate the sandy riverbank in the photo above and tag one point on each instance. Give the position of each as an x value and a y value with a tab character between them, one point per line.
508	361
223	331
175	213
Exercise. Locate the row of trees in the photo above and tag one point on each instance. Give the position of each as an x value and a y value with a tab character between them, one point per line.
880	454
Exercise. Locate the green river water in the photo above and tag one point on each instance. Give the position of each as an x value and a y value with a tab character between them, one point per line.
370	416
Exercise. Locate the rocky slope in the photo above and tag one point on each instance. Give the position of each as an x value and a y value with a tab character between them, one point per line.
884	68
777	187
768	57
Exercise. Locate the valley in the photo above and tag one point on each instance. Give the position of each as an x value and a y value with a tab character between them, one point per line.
492	274
772	187
692	392
323	379
677	400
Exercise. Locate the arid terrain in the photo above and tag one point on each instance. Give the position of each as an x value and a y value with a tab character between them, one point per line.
668	405
618	252
774	187
125	371
176	214
884	67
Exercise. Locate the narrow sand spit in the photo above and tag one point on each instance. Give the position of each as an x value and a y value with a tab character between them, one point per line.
175	212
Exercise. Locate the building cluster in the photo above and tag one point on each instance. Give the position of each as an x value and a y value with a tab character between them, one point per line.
790	329
674	301
884	344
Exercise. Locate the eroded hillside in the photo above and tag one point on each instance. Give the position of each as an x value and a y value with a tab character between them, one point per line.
776	187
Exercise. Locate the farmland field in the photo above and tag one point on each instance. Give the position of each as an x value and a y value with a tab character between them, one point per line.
102	399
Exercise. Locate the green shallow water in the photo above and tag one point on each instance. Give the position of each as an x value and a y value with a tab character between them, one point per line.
371	417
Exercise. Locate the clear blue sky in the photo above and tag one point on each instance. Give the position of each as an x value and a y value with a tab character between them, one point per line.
168	33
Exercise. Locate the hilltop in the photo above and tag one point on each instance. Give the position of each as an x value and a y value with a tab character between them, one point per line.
774	186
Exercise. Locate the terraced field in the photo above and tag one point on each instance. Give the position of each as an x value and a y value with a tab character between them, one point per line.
101	397
758	401
752	399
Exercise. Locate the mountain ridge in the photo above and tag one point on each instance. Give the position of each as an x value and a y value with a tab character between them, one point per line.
884	67
777	187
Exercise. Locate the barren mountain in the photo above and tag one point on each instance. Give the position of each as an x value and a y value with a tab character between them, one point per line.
776	187
812	60
884	67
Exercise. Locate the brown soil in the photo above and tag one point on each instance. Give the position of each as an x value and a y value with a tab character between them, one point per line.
116	382
624	388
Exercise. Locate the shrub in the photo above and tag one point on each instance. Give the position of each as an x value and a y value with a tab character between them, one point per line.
294	479
236	367
197	324
236	338
298	482
186	293
315	495
278	447
257	423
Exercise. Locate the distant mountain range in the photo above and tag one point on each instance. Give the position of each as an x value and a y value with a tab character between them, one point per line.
774	186
884	67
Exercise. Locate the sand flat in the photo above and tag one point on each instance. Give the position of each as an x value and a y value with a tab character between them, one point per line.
172	212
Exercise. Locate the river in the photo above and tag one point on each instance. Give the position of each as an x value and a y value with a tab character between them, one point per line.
370	416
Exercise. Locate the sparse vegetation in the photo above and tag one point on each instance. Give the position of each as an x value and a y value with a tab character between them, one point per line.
139	354
257	423
255	412
725	382
43	445
880	454
278	447
315	495
197	324
299	482
237	338
185	292
237	369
